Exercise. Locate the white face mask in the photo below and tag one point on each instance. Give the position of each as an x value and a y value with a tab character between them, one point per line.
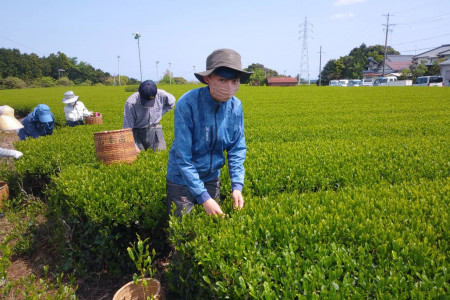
222	89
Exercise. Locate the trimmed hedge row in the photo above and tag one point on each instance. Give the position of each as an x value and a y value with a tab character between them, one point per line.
373	241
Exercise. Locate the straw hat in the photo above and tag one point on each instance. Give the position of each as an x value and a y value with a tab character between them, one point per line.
7	119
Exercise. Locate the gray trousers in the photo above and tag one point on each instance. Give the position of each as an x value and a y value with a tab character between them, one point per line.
151	137
183	199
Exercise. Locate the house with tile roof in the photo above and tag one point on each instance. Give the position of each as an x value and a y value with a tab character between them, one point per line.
434	55
282	81
395	64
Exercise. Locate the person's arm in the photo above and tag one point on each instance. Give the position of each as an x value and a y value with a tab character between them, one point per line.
182	146
84	110
30	127
128	116
10	153
169	102
236	156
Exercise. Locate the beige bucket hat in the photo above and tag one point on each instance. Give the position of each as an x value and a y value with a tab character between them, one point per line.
7	119
223	58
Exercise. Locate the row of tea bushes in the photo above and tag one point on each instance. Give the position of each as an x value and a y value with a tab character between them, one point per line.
103	207
376	241
331	164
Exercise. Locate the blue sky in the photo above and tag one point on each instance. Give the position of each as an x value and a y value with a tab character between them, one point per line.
180	34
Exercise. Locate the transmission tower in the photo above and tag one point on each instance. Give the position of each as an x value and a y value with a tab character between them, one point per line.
304	60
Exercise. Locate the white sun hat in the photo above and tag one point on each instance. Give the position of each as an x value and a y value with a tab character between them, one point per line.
7	119
69	97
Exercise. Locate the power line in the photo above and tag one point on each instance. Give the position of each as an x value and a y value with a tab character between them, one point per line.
430	38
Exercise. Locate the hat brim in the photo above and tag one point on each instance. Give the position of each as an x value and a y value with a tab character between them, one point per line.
243	75
70	100
147	103
9	123
45	118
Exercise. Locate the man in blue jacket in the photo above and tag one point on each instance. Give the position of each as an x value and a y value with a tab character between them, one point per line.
208	122
39	122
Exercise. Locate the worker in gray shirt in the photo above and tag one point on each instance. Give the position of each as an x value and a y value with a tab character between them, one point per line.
143	112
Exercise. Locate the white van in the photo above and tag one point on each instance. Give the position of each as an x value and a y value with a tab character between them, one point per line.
334	82
343	82
384	80
368	81
429	81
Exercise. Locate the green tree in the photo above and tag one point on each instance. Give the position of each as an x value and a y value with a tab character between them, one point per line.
64	81
418	70
260	72
12	82
179	80
435	68
167	79
45	81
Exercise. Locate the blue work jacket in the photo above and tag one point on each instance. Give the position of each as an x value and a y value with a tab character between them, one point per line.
34	128
204	130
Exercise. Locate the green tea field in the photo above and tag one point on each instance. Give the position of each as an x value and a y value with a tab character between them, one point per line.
347	195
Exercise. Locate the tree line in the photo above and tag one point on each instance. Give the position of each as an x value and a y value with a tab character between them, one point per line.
19	70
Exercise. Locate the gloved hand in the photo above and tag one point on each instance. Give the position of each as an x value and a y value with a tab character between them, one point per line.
17	154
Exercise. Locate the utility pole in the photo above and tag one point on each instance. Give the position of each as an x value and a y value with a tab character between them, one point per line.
136	37
170	74
304	61
118	68
157	62
385	43
320	66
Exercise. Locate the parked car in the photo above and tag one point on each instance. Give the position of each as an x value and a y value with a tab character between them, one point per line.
367	81
392	81
354	82
343	82
334	82
429	81
384	80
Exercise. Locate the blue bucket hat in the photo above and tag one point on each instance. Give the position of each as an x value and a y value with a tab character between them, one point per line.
147	92
43	114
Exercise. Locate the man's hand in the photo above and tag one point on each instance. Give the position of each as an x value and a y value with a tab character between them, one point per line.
212	208
238	200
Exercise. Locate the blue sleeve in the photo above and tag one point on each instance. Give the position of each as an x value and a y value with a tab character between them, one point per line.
29	127
236	156
182	146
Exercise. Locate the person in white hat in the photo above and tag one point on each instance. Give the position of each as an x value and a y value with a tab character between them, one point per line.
74	110
9	122
208	121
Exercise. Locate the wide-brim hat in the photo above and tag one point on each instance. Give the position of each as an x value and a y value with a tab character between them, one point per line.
69	97
223	58
7	119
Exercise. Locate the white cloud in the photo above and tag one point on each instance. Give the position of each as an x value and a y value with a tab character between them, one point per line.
347	2
343	15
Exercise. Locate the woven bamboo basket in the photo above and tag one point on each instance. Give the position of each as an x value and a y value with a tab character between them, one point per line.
131	291
93	120
116	146
4	193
